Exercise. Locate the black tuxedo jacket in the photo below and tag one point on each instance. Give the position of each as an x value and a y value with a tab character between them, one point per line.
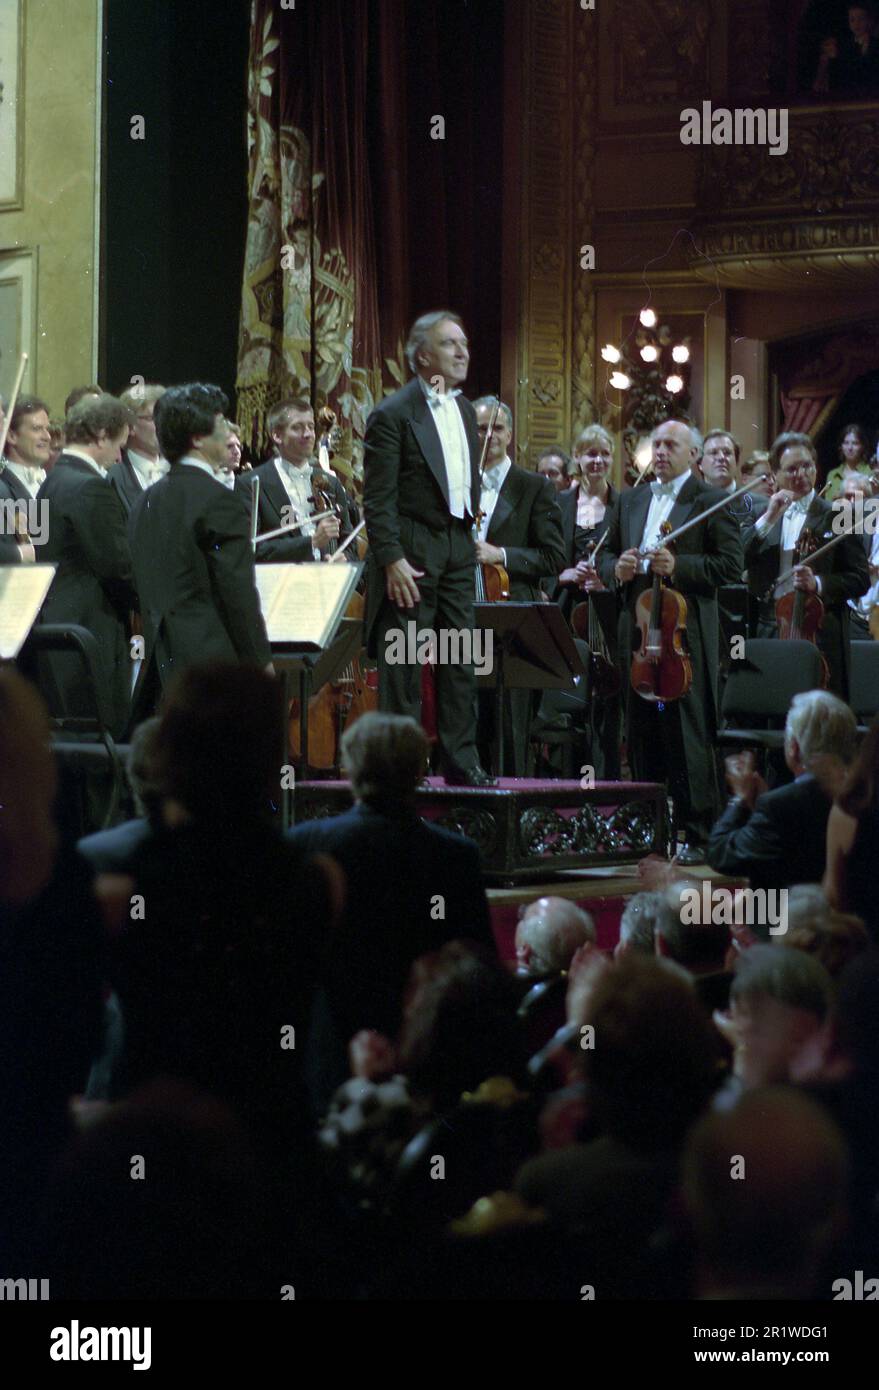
844	574
126	482
193	564
527	522
708	556
92	586
11	490
273	499
404	472
781	842
387	922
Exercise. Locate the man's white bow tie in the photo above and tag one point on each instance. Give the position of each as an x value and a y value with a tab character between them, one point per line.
491	481
662	489
800	505
37	476
435	397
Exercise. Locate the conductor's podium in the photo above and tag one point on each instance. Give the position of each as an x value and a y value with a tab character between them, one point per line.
529	830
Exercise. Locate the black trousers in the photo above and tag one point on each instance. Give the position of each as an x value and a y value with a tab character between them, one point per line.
447	591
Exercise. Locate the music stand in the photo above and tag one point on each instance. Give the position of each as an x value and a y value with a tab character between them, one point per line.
304	610
533	650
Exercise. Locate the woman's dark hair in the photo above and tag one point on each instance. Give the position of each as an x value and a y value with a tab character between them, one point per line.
460	1027
184	413
859	789
862	436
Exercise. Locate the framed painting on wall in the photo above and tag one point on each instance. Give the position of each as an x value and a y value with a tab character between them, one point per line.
18	318
11	102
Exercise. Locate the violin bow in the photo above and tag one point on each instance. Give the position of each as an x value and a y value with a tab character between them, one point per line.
703	516
293	526
344	546
807	559
12	399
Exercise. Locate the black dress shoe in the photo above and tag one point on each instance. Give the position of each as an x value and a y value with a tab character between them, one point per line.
468	777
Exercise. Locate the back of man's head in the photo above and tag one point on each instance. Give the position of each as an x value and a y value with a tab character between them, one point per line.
185	413
638	924
764	1185
385	756
548	933
216	750
696	945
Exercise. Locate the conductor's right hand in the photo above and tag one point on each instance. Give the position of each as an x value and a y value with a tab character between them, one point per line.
400	584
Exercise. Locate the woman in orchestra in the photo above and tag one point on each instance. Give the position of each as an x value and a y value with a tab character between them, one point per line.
854	456
584	510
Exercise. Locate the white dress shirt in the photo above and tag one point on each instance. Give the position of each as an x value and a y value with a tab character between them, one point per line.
30	478
662	500
147	470
492	482
296	480
865	603
456	451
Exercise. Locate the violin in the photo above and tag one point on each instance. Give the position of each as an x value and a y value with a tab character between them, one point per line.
800	615
604	676
661	667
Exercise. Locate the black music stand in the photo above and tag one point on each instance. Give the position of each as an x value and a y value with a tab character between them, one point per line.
533	650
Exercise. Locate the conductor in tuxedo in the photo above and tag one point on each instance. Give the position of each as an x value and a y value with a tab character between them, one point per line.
420	499
521	529
286	491
772	547
93	585
672	742
190	545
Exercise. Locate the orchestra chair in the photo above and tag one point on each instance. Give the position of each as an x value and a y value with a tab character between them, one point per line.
864	682
760	687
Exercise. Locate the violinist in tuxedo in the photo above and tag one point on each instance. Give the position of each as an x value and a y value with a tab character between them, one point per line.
191	547
93	583
672	742
286	491
520	529
23	472
420	498
772	546
141	463
720	467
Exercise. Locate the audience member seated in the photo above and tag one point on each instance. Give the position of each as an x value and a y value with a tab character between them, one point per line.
777	838
767	1236
113	851
779	1000
638	924
219	952
51	965
651	1073
853	838
835	940
410	887
697	947
548	933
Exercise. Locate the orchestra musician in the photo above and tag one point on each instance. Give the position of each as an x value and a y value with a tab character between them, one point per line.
286	491
420	498
771	542
672	742
520	529
191	547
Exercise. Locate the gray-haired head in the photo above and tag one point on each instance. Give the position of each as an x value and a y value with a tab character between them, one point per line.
822	725
421	328
488	402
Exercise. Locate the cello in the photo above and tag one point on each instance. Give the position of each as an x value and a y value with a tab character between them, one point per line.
661	668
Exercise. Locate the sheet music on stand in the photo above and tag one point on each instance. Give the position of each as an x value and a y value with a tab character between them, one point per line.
304	610
23	590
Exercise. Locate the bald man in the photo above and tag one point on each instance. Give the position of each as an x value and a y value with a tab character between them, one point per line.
548	933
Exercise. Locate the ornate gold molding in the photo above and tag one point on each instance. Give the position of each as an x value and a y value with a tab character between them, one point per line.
583	344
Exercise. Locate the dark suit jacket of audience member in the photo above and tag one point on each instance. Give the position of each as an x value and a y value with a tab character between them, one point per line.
274	499
781	842
193	561
394	865
113	851
527	522
226	956
92	585
125	481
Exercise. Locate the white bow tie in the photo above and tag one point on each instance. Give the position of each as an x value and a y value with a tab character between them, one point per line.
662	489
800	505
491	481
37	477
435	397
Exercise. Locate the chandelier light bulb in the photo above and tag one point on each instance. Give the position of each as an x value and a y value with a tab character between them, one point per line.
610	353
643	455
680	353
674	384
620	381
649	353
648	318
